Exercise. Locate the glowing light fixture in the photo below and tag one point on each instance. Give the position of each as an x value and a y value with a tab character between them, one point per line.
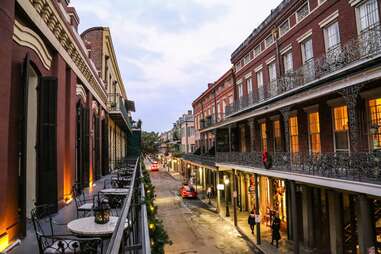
4	241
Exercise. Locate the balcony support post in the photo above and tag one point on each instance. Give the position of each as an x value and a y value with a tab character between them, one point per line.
352	98
308	217
294	219
252	134
235	195
286	111
230	139
366	226
258	227
218	191
335	211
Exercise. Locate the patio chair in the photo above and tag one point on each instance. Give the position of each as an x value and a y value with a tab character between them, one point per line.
83	205
48	242
115	202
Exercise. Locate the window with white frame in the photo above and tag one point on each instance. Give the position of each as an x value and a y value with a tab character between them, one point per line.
284	27
269	40
240	89
287	62
257	50
249	84
340	128
367	15
272	78
303	11
260	84
307	50
332	36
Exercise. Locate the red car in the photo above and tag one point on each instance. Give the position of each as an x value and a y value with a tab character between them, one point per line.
187	191
154	166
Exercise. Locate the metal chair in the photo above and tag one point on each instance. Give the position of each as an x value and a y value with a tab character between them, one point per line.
82	204
48	242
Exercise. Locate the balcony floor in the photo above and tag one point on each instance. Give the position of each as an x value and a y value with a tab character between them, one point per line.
64	215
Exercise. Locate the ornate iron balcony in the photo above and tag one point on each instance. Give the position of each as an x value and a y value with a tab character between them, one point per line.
366	45
201	159
362	167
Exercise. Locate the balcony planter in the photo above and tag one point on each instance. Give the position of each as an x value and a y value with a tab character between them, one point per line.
267	160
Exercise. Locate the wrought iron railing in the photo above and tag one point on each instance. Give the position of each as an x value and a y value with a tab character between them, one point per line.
201	159
131	233
362	166
366	45
116	103
211	120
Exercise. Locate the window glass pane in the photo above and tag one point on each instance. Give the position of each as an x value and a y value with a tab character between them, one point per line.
263	137
303	11
368	15
272	72
332	36
314	132
287	61
277	136
375	126
341	127
294	134
269	40
284	28
249	85
307	51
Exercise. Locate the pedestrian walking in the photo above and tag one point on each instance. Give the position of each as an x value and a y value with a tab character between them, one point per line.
251	220
209	194
275	226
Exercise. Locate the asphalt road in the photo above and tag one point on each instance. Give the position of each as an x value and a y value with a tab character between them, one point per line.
191	226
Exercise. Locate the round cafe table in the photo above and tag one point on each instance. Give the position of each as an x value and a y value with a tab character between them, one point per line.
87	227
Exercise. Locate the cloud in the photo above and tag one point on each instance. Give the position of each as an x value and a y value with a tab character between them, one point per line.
168	50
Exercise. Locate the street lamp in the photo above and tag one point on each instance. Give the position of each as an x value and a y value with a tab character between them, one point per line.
226	181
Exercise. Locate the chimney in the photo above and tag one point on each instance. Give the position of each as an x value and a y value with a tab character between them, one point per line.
189	112
74	19
210	84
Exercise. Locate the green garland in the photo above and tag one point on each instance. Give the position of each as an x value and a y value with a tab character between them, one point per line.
158	236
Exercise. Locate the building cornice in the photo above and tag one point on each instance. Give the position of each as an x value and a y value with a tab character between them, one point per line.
46	17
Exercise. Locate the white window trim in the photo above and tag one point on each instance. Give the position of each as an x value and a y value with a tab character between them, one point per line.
248	75
285	49
259	68
270	60
266	46
315	110
303	50
333	129
296	13
329	19
325	34
305	36
289	28
320	2
357	4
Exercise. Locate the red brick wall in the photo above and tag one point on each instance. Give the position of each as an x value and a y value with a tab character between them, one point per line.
95	37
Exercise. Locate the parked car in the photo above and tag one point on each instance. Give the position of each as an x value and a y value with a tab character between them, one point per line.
154	166
187	191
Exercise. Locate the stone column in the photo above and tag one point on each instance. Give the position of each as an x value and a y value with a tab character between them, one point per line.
335	222
365	224
257	208
352	97
252	135
294	215
308	218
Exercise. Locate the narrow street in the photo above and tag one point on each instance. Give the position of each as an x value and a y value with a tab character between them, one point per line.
191	226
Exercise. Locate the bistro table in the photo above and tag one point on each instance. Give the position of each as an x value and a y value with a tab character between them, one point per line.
87	227
115	191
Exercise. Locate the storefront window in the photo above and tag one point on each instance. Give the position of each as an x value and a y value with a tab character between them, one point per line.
314	132
375	123
263	137
294	134
277	136
340	115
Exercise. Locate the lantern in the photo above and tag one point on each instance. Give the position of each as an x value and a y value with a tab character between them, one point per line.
102	211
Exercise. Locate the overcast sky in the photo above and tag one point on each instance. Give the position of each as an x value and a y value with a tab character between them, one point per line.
169	50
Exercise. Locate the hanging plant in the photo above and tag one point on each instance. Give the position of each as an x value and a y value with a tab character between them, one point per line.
158	236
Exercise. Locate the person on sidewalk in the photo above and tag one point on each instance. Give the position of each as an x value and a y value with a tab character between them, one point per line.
251	220
209	194
275	226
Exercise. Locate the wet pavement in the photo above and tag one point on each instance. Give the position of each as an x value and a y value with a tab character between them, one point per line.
191	224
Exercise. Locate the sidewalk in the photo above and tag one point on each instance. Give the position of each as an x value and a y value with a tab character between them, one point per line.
285	246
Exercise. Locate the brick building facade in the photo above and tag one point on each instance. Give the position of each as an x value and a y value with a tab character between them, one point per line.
302	137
